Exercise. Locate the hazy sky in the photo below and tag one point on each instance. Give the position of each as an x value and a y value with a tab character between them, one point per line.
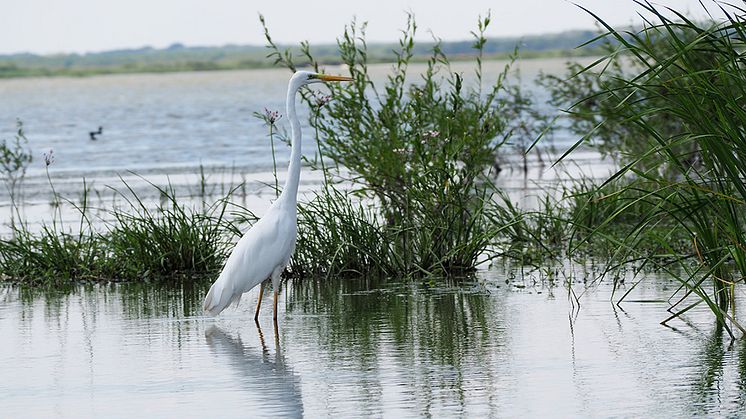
48	26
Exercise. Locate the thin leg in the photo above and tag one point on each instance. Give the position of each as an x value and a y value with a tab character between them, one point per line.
277	341
259	303
275	307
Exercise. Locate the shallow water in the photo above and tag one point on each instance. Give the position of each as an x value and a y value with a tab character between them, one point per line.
477	348
175	121
167	127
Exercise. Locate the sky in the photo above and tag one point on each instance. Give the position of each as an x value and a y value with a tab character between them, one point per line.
64	26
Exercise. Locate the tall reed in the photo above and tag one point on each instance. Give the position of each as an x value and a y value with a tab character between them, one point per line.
691	77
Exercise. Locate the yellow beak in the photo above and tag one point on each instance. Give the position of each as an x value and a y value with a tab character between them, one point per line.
326	77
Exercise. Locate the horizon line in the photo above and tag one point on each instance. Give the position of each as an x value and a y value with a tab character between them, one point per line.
282	44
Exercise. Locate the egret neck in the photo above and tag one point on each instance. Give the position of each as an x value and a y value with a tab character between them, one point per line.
290	191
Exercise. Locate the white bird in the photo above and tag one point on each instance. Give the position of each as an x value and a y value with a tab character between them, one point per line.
265	250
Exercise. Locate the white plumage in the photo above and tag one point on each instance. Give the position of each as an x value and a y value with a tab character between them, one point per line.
263	252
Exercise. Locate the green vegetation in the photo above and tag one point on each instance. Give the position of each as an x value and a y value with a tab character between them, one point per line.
669	98
15	158
178	57
421	201
423	166
169	240
417	195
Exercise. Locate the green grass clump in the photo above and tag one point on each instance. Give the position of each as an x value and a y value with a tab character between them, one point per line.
171	240
339	236
54	254
51	256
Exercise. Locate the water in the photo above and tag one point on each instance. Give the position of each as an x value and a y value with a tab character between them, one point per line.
171	121
482	348
478	348
164	127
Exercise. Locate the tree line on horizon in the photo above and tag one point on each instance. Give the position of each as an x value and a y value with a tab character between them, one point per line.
178	57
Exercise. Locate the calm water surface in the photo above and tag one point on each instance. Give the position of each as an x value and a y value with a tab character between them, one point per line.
165	126
479	348
175	120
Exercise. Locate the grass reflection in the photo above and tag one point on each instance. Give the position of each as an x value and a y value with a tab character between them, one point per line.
443	337
445	348
174	299
711	387
446	316
138	300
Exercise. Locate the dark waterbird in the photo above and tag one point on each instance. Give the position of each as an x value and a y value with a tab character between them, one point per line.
93	134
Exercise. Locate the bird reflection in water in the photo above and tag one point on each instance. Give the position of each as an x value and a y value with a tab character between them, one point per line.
271	383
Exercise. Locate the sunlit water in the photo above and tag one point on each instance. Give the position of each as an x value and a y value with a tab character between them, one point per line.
481	348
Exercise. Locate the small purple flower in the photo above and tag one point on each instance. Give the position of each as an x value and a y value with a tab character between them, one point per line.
429	135
49	157
272	116
322	100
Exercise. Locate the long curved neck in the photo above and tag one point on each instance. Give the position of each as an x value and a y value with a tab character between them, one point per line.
290	191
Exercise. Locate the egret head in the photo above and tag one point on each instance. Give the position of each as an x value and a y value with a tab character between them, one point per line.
308	77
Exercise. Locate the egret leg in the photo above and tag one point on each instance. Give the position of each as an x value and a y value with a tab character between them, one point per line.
275	307
259	303
277	341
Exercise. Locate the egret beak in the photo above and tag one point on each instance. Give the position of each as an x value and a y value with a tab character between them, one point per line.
326	77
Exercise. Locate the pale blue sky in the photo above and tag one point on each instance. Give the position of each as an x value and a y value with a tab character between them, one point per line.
49	26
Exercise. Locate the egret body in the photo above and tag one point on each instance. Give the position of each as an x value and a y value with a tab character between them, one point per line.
265	250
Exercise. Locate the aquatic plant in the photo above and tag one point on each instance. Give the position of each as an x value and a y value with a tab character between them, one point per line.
419	159
53	255
170	239
340	236
423	154
685	102
144	241
15	158
270	118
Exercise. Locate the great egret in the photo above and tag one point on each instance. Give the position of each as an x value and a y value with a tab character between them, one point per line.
264	251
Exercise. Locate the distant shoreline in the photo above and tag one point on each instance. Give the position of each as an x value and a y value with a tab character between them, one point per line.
180	58
12	72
